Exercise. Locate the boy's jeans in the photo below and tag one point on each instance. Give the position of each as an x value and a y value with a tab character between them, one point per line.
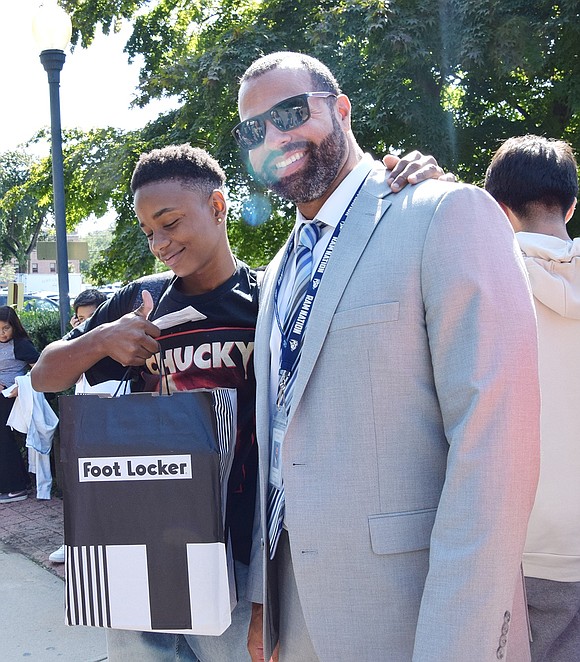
128	646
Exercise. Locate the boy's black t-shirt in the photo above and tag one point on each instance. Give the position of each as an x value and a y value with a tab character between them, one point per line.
214	352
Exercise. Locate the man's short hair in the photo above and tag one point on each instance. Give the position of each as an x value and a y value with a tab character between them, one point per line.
191	166
322	78
90	297
528	170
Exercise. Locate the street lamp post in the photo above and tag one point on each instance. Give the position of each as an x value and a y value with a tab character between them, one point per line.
52	31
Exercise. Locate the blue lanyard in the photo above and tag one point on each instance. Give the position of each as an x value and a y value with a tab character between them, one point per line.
291	343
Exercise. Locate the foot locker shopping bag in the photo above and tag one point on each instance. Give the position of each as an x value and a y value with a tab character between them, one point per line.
144	484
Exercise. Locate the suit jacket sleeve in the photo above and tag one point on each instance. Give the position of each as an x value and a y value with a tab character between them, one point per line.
482	335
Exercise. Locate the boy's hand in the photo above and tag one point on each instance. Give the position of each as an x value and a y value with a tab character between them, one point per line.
130	340
412	169
255	634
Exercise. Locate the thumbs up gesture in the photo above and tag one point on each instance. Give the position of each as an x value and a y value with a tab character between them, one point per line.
146	307
131	339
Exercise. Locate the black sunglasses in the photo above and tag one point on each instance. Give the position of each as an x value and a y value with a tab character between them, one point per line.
285	116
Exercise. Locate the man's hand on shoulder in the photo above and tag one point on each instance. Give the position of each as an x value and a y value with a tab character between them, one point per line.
412	169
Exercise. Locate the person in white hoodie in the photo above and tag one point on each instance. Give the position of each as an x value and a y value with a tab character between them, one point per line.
535	181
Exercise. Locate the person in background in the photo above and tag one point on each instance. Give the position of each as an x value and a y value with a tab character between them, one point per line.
17	354
397	402
535	181
84	306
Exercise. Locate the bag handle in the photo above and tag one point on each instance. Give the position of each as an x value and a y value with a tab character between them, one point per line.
123	384
162	376
162	373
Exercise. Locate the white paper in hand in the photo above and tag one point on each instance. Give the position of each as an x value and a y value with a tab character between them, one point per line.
7	392
189	314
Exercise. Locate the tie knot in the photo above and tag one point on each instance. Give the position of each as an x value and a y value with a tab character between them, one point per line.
309	235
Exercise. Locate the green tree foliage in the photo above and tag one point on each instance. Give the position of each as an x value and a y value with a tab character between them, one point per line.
7	273
97	242
452	78
42	326
518	71
22	206
100	183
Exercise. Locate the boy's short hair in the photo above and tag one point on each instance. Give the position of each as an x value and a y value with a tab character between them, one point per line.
528	170
190	165
90	297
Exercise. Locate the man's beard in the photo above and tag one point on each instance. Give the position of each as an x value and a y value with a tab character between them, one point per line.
324	163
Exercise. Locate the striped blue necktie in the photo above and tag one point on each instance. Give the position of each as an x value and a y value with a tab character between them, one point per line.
309	235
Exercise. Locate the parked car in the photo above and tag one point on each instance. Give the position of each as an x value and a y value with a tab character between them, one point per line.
46	294
32	302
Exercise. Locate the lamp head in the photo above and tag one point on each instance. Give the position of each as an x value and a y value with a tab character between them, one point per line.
51	27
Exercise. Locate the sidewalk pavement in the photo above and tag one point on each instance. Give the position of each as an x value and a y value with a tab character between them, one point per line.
32	589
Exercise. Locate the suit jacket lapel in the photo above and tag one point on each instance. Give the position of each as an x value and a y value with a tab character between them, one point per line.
262	354
366	212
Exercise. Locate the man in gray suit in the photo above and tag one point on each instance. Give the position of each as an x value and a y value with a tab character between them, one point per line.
397	399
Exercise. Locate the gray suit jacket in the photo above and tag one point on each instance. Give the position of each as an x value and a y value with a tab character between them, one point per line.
411	455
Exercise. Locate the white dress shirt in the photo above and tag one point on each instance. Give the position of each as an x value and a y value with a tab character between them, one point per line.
328	216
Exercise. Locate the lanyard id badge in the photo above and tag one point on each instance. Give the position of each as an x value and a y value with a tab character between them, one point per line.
291	338
277	441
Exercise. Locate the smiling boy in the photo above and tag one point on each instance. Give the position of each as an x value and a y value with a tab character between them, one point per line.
181	206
